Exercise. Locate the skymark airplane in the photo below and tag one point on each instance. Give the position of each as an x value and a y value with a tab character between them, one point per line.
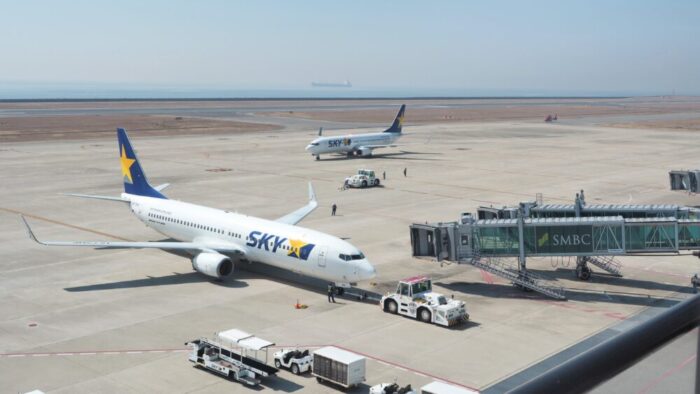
361	144
217	239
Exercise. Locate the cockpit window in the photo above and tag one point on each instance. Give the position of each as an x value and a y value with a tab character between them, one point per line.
348	257
314	143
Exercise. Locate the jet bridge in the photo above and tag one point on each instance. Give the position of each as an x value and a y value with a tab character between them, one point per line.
487	244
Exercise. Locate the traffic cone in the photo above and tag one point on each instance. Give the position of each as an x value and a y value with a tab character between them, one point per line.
297	305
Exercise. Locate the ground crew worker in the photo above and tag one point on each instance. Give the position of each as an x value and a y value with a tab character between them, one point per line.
404	171
333	209
384	175
695	281
331	292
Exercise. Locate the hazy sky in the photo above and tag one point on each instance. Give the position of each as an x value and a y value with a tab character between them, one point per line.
648	47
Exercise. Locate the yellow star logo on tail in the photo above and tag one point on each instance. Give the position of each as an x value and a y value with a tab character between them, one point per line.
126	165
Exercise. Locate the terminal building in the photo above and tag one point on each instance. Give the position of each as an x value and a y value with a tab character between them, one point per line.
591	234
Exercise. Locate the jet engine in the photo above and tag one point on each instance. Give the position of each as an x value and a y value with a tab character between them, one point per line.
364	152
213	264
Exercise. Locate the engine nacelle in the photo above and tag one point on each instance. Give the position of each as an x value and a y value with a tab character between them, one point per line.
213	264
364	152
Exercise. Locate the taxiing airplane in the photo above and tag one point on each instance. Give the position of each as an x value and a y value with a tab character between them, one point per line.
218	239
361	144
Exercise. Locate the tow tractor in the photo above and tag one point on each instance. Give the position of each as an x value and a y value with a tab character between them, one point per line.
363	178
233	354
414	297
294	360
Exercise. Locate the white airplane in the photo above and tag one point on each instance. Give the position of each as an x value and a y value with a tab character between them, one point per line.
217	239
361	144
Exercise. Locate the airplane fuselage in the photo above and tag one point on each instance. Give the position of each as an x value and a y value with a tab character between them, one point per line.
281	245
351	143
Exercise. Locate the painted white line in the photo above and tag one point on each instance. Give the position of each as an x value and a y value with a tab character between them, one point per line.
40	355
64	354
157	351
110	353
87	354
134	352
401	368
16	355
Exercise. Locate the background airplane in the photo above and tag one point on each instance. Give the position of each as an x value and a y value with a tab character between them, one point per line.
360	144
216	239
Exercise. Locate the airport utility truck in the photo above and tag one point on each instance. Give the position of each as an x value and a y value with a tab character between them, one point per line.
363	178
414	297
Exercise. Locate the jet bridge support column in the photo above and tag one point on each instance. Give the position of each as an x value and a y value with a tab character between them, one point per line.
521	244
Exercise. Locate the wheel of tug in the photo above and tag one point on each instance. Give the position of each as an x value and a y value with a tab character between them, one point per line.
424	315
391	306
278	364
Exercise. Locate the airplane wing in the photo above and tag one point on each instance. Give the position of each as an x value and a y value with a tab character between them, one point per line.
296	216
220	247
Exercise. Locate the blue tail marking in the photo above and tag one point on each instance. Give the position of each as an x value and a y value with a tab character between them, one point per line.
398	122
134	178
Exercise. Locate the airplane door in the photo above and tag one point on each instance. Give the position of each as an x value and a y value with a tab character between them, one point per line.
322	252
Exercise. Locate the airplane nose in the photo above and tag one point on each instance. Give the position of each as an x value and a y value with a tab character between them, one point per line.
366	271
309	147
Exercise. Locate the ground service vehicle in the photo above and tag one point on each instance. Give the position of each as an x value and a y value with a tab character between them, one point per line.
390	388
414	297
363	178
230	355
339	367
295	360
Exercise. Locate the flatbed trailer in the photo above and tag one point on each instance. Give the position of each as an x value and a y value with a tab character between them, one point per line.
229	356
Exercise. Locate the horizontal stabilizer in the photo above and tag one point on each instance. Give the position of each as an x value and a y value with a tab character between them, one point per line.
108	198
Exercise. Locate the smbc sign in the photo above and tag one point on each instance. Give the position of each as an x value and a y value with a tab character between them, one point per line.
561	239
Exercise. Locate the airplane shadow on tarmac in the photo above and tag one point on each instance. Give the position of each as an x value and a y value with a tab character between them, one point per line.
388	155
167	280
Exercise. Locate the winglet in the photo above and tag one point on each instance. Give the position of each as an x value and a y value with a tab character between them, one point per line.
29	230
312	194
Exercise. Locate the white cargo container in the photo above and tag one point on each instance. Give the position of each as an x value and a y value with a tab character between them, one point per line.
444	388
338	366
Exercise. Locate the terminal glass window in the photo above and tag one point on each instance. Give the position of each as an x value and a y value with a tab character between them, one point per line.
689	235
650	236
498	240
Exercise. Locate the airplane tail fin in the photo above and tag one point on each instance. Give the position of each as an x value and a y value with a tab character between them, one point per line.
134	178
398	122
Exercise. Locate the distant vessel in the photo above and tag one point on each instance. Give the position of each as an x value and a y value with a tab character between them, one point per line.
345	84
